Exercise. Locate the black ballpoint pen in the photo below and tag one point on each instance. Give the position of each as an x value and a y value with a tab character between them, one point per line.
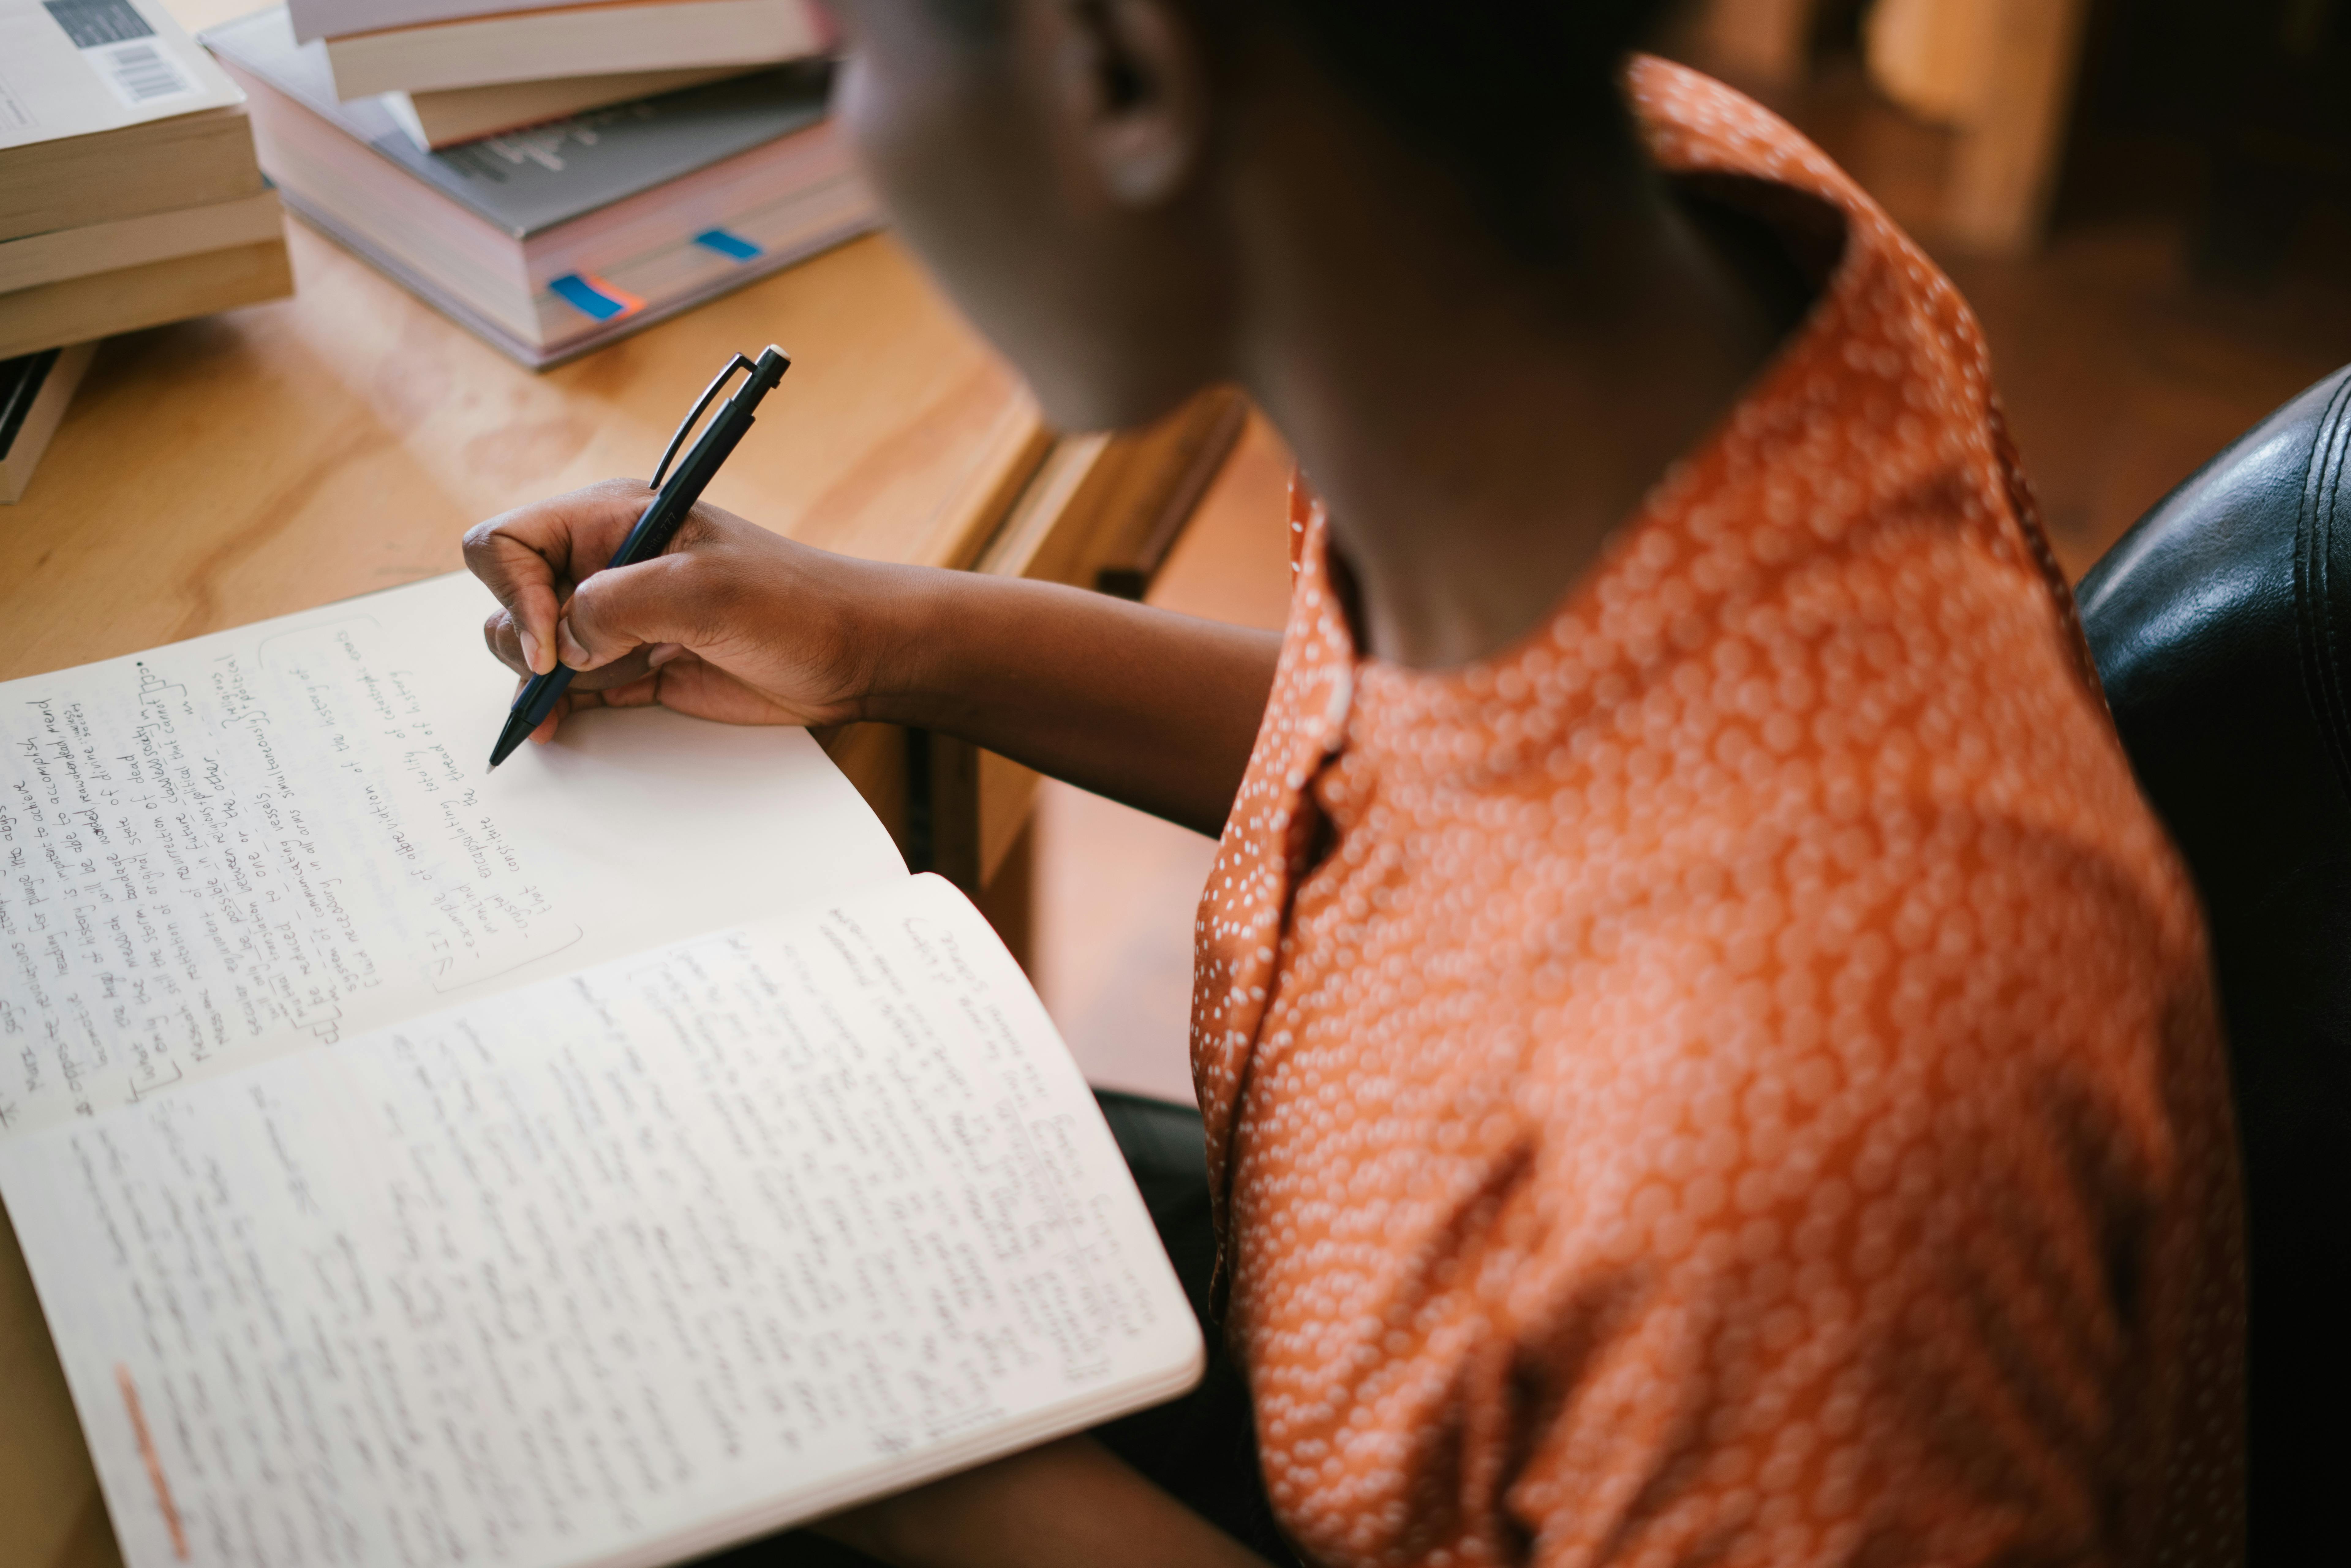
659	522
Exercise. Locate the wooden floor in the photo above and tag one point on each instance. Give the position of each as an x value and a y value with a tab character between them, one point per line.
2121	376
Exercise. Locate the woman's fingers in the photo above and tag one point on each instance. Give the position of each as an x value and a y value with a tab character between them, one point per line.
632	609
732	622
643	692
692	687
530	556
499	633
527	585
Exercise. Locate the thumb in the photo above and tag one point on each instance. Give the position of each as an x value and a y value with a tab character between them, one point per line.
623	609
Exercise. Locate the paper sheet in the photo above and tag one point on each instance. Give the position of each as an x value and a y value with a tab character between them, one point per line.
283	835
613	1270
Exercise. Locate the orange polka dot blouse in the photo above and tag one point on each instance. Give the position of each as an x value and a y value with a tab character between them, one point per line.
1732	1078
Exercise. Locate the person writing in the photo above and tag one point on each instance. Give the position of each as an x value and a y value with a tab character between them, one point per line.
1704	1054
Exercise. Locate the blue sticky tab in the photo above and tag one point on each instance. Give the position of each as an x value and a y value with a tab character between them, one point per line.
734	247
578	291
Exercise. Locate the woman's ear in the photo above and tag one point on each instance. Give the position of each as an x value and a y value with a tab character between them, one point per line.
1132	94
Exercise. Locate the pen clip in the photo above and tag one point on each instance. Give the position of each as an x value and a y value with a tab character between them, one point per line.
740	362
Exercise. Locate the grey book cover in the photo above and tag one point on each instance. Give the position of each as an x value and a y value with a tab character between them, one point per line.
527	181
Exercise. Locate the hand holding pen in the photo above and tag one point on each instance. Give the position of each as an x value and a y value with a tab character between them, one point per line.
659	523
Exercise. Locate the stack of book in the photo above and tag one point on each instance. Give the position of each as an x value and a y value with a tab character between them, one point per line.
130	195
554	239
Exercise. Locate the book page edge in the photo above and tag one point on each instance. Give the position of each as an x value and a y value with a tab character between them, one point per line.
889	1478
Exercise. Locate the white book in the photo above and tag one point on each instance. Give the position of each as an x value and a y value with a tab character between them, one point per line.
454	116
574	41
75	68
596	1162
107	110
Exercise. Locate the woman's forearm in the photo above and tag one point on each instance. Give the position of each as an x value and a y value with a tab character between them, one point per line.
738	623
1152	708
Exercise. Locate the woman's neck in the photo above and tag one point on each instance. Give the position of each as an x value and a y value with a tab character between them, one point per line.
1478	423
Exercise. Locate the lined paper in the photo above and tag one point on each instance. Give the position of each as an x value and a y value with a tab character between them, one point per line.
613	1269
284	835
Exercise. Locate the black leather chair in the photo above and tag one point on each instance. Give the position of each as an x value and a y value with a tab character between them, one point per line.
2221	624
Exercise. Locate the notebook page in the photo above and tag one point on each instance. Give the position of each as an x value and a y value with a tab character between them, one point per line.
282	835
615	1269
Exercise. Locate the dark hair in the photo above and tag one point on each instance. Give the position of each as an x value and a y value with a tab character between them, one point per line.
1516	97
1512	95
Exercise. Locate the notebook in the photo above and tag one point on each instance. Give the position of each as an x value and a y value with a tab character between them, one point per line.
594	1163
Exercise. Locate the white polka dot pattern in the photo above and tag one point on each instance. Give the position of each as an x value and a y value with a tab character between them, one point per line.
1733	1079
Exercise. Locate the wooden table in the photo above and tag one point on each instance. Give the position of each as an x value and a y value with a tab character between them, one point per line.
277	458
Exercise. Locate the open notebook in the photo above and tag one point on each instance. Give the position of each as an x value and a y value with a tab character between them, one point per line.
594	1163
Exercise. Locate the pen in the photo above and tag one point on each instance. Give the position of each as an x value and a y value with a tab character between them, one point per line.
659	522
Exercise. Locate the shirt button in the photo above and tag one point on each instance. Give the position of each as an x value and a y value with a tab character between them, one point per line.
1335	706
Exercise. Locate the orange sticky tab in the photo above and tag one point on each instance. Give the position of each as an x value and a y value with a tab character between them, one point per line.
155	1464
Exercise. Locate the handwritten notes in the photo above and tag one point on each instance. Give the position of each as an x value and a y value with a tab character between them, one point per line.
219	850
238	845
634	1263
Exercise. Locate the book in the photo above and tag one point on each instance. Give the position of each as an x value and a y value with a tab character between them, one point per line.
328	18
34	392
61	253
107	112
575	40
454	116
596	1162
559	239
130	192
102	303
